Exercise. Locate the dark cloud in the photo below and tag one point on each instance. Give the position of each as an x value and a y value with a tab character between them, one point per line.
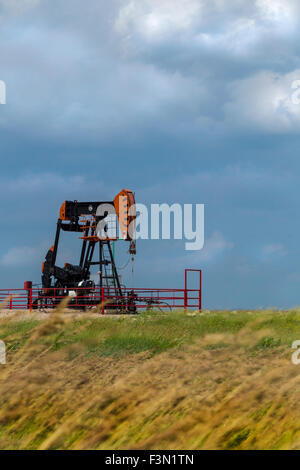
182	100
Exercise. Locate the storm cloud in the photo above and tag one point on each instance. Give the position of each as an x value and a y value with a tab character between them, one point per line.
181	100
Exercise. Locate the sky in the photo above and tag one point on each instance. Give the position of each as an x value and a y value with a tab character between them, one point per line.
182	101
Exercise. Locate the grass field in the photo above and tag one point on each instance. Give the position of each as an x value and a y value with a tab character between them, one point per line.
219	380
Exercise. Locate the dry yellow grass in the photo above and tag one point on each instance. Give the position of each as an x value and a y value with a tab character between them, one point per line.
233	389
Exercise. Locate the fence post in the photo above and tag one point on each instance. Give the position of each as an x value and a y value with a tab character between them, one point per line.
185	299
200	292
10	302
185	289
102	300
28	288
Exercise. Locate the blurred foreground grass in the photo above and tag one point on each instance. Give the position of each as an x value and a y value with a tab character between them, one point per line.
219	380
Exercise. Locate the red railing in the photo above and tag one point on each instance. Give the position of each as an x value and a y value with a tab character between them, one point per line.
108	299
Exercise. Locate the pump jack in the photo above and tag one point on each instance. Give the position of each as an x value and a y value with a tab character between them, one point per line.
97	223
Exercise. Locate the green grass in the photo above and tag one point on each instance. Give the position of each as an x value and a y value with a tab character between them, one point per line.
16	333
157	332
20	328
237	438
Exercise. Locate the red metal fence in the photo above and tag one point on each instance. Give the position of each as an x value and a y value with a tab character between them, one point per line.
107	298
